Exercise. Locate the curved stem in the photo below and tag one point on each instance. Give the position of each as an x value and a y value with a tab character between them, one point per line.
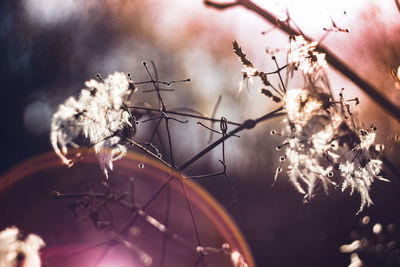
144	149
184	114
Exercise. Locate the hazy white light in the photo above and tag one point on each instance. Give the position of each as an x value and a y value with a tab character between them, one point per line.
51	12
365	220
398	73
377	229
237	260
350	247
37	116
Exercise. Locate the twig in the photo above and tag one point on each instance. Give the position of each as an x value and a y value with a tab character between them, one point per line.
196	231
332	59
136	144
213	116
171	154
248	124
397	2
184	114
220	5
224	130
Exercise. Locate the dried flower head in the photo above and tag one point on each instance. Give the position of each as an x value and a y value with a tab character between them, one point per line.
15	251
99	114
303	105
302	55
248	74
249	70
359	167
309	129
322	137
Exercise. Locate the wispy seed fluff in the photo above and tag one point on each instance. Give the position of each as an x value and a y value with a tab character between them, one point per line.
309	128
322	138
99	114
302	55
15	251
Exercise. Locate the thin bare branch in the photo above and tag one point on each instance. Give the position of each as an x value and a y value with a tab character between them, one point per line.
397	2
184	114
248	124
213	116
221	5
331	58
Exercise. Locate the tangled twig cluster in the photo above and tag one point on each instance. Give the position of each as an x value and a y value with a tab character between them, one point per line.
321	136
96	200
104	118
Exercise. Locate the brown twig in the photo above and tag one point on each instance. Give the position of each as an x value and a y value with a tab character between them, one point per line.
220	5
397	2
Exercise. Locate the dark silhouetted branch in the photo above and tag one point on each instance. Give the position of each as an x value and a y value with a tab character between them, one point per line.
248	124
221	5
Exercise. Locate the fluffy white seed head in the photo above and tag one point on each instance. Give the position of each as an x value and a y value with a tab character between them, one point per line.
16	252
302	55
302	105
99	115
321	139
359	168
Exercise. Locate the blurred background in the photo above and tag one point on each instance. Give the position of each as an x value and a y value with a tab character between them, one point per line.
49	48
